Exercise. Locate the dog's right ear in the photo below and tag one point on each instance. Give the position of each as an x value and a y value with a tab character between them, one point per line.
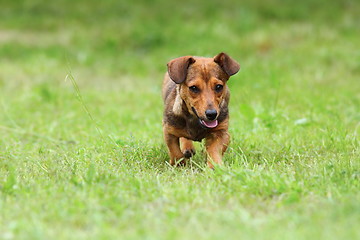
178	67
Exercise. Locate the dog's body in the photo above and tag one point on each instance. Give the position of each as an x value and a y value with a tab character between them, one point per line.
196	101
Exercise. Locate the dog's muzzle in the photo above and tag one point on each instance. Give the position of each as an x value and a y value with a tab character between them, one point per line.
210	114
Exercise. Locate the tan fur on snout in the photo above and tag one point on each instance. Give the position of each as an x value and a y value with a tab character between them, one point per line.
192	86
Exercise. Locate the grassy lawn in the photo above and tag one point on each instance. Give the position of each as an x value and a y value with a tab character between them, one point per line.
81	148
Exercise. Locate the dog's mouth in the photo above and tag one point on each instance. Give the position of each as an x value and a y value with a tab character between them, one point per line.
209	124
206	123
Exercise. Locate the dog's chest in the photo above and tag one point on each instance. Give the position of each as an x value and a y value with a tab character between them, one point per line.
195	131
188	127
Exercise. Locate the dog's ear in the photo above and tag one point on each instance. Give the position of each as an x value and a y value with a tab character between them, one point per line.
178	67
229	65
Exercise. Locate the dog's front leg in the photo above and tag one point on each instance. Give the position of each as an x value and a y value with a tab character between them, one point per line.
173	145
187	147
216	144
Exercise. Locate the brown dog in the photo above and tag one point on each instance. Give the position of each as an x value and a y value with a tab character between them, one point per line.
196	101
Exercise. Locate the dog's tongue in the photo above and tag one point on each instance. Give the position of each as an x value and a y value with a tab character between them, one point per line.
210	124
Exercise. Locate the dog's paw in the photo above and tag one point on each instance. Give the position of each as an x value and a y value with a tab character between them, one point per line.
188	153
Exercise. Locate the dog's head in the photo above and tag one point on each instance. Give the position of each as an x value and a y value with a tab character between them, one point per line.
202	84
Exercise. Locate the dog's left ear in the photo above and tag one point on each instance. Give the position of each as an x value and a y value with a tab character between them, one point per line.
178	68
229	65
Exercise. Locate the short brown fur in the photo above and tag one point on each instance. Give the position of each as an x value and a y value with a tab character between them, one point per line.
185	107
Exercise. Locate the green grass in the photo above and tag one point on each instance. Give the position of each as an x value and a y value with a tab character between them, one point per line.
92	164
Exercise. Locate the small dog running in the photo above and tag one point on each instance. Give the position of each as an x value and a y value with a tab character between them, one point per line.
196	100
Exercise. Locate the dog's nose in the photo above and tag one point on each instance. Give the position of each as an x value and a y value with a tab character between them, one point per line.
211	114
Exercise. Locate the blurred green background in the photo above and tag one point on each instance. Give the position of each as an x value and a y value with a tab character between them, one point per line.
118	45
114	39
90	162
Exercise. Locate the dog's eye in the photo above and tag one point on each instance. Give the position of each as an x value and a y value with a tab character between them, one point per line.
194	89
219	87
